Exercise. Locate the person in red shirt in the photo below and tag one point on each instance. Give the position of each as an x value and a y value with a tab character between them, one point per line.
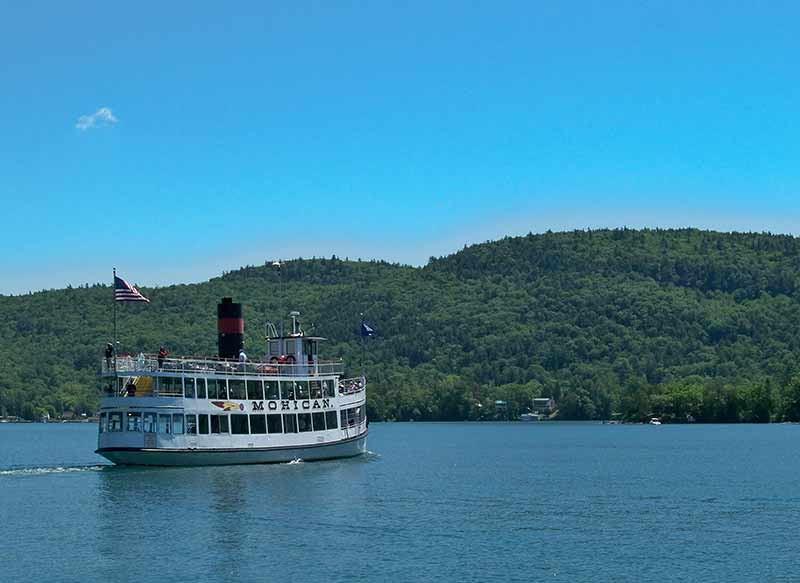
162	354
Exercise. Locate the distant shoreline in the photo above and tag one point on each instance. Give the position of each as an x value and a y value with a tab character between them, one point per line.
54	422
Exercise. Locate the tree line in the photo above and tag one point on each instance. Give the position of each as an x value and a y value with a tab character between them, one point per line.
681	324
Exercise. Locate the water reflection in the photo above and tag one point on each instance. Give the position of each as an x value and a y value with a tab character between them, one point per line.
219	518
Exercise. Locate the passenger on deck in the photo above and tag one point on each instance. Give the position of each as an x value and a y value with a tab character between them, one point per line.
162	354
109	354
242	360
130	388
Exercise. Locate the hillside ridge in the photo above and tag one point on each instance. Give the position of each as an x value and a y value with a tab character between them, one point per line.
674	323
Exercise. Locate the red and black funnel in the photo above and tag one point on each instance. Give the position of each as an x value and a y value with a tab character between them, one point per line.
230	328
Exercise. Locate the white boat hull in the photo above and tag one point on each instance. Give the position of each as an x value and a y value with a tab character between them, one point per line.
231	456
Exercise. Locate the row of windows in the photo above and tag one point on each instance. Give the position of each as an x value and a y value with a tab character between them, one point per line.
236	424
253	390
289	346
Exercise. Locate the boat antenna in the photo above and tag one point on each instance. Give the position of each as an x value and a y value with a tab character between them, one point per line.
278	264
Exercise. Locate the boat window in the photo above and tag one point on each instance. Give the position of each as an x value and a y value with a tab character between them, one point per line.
212	388
289	345
258	424
271	389
287	390
319	421
219	424
255	392
164	423
188	388
328	388
177	424
217	389
103	425
274	424
302	389
350	417
191	424
201	388
115	421
316	389
203	419
274	348
304	422
134	421
149	422
330	419
170	386
290	423
239	424
236	389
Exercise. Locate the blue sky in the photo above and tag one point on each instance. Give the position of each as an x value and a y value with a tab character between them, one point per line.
242	132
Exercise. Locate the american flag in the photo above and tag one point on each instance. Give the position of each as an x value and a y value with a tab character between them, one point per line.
125	292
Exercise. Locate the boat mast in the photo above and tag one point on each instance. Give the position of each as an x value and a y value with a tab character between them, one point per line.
114	302
278	264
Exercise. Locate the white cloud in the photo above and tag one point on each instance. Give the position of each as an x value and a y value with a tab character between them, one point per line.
101	117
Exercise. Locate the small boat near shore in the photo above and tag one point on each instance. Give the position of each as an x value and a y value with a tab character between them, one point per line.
187	411
531	417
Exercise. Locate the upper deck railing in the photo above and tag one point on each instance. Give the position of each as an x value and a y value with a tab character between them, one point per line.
352	386
151	364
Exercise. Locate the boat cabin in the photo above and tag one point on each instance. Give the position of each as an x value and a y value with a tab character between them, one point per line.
293	348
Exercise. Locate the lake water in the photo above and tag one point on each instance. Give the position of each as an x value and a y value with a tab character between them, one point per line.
430	502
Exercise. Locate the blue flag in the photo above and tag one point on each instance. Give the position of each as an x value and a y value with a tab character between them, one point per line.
366	330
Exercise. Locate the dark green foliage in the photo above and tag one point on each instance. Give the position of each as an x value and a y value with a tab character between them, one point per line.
679	324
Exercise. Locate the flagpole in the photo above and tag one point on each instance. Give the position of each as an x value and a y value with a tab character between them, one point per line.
114	300
363	342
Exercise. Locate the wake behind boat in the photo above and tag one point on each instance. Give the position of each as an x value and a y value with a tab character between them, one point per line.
290	405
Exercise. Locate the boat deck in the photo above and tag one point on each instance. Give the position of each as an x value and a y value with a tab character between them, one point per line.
152	365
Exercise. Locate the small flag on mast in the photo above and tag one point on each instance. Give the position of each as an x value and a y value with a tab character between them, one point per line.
125	292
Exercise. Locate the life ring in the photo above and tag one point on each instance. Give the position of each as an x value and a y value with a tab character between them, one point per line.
273	360
290	359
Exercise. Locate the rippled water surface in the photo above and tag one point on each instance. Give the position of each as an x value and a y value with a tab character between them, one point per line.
431	502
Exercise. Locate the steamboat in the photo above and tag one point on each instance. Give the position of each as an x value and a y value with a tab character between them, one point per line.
289	405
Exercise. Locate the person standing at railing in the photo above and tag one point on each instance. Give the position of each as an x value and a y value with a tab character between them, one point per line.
162	354
109	354
242	360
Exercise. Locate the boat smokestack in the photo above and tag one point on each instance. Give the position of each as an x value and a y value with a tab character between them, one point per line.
230	328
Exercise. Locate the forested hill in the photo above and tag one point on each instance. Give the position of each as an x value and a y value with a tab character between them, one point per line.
626	322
